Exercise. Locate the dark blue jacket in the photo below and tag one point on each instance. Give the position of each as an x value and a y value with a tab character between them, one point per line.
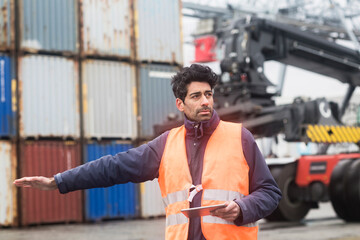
142	163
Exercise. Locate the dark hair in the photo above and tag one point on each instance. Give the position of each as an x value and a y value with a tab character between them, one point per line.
194	73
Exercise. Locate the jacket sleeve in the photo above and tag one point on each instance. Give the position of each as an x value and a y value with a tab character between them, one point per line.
135	165
264	194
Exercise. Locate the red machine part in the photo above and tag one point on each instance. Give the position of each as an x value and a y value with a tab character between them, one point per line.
318	168
204	47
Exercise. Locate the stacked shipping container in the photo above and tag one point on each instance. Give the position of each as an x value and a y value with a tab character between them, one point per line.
49	104
109	99
106	28
7	99
158	31
8	205
119	201
156	98
81	80
48	26
7	38
46	158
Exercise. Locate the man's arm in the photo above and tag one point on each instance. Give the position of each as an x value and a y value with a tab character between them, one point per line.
135	165
264	194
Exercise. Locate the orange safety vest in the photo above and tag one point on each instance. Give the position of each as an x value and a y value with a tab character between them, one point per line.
224	178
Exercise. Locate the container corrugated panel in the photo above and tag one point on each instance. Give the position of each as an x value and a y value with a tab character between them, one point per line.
106	27
6	24
8	206
119	201
157	98
49	25
49	104
151	201
158	31
46	158
109	99
7	99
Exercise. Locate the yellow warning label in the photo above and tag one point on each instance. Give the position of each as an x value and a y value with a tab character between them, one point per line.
333	134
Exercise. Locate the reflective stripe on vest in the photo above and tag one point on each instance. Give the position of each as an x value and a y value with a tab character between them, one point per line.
212	219
174	197
221	195
175	219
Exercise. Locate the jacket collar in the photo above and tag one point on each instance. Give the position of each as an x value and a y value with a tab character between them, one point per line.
198	129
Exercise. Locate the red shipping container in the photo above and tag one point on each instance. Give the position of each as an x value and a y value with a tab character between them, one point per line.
204	49
46	158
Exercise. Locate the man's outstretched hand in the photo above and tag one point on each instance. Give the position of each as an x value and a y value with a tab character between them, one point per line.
42	183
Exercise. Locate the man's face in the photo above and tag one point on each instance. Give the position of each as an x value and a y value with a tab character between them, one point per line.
198	104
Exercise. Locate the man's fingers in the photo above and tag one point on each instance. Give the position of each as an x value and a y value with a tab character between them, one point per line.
27	181
229	213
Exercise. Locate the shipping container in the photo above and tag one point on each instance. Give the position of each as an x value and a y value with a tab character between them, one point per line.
7	99
47	158
106	27
109	99
7	29
157	100
49	102
119	201
8	206
158	31
50	26
151	201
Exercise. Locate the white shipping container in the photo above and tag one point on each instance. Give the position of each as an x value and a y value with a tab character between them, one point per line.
106	27
151	201
49	105
158	31
109	99
8	209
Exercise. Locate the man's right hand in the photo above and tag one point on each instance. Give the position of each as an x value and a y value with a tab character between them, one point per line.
42	183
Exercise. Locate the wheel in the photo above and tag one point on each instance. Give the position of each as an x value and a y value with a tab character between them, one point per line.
352	191
290	208
337	189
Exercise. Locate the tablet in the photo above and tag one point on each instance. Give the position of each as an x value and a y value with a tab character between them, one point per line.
201	211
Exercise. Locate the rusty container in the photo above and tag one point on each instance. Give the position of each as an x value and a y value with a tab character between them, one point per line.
49	101
106	27
7	30
158	31
46	158
8	206
109	99
49	26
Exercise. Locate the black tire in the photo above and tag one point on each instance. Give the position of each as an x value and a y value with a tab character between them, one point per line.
352	191
288	209
337	189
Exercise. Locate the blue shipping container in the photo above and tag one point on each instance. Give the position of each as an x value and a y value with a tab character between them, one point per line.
49	25
119	201
7	109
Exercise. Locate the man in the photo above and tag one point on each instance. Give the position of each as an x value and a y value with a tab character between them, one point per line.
204	162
